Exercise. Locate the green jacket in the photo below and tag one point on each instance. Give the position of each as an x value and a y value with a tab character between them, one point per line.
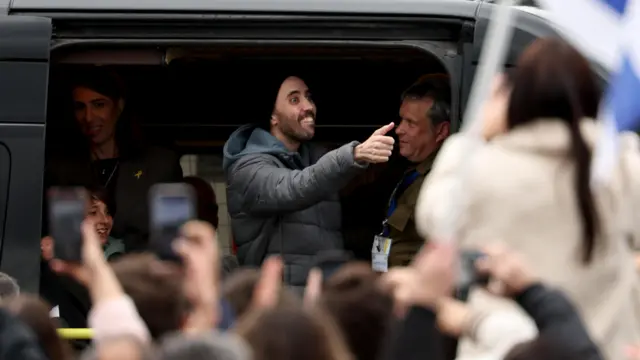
113	248
402	230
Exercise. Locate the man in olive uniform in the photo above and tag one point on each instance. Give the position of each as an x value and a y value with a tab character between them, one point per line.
424	125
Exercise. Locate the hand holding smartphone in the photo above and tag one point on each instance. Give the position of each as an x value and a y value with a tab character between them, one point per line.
171	206
67	210
468	274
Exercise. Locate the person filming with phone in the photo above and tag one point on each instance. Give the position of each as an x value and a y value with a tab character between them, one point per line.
282	192
68	207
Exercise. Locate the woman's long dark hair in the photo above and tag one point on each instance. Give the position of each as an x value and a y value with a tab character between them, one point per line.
552	80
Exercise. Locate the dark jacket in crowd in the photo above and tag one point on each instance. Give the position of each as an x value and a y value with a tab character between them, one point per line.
17	341
558	322
282	202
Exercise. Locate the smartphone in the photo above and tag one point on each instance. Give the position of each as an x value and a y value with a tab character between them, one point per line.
329	262
67	210
171	205
468	274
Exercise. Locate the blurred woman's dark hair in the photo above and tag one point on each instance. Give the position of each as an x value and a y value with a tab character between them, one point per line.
156	288
553	81
208	346
34	312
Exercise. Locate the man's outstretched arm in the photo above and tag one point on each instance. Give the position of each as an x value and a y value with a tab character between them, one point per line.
264	187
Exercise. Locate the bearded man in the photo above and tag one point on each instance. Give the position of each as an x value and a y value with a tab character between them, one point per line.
283	192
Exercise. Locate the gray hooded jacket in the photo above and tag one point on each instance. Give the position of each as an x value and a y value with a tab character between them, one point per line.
282	202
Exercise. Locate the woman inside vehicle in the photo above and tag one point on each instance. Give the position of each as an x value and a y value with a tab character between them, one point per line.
102	149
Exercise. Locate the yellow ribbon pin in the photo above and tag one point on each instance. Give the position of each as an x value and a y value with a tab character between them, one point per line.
138	174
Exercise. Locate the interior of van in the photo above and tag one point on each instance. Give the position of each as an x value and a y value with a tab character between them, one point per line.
191	98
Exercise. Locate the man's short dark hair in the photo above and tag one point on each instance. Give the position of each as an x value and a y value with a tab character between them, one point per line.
436	87
8	287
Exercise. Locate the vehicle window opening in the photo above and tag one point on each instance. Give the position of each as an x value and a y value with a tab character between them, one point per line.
191	99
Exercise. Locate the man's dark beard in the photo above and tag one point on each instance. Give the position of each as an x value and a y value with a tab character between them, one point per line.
288	130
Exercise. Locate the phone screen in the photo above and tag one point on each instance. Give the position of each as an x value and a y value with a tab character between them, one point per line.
172	211
66	214
169	213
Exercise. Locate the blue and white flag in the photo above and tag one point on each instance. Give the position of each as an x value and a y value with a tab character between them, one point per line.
609	32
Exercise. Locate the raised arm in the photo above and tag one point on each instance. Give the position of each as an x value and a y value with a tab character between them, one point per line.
558	319
263	186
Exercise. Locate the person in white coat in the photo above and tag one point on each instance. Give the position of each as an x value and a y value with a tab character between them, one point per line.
529	187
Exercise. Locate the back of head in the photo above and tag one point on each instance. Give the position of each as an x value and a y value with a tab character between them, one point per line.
207	205
238	290
34	312
119	348
553	81
8	287
211	346
156	289
292	334
361	308
437	87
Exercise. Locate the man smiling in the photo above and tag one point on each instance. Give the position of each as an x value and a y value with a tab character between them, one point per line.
425	115
282	192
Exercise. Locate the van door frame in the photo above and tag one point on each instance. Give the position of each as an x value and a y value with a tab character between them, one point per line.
25	43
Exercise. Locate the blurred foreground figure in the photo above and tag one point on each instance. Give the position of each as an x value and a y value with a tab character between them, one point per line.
531	190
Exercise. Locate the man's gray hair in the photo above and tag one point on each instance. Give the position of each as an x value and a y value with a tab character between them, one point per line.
436	87
8	287
210	346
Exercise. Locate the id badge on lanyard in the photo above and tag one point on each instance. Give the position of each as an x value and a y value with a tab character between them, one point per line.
381	242
380	253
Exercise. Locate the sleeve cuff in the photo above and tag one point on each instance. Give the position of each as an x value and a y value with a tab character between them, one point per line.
351	148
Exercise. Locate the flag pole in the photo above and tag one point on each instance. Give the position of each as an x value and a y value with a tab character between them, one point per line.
492	58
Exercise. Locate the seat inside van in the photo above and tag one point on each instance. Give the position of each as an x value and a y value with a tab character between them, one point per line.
191	99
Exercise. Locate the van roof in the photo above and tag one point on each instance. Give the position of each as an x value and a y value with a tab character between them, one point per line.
462	8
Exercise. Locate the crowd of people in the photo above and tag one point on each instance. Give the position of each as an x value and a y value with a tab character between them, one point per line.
542	267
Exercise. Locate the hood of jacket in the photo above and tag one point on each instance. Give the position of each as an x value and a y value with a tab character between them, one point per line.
252	139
